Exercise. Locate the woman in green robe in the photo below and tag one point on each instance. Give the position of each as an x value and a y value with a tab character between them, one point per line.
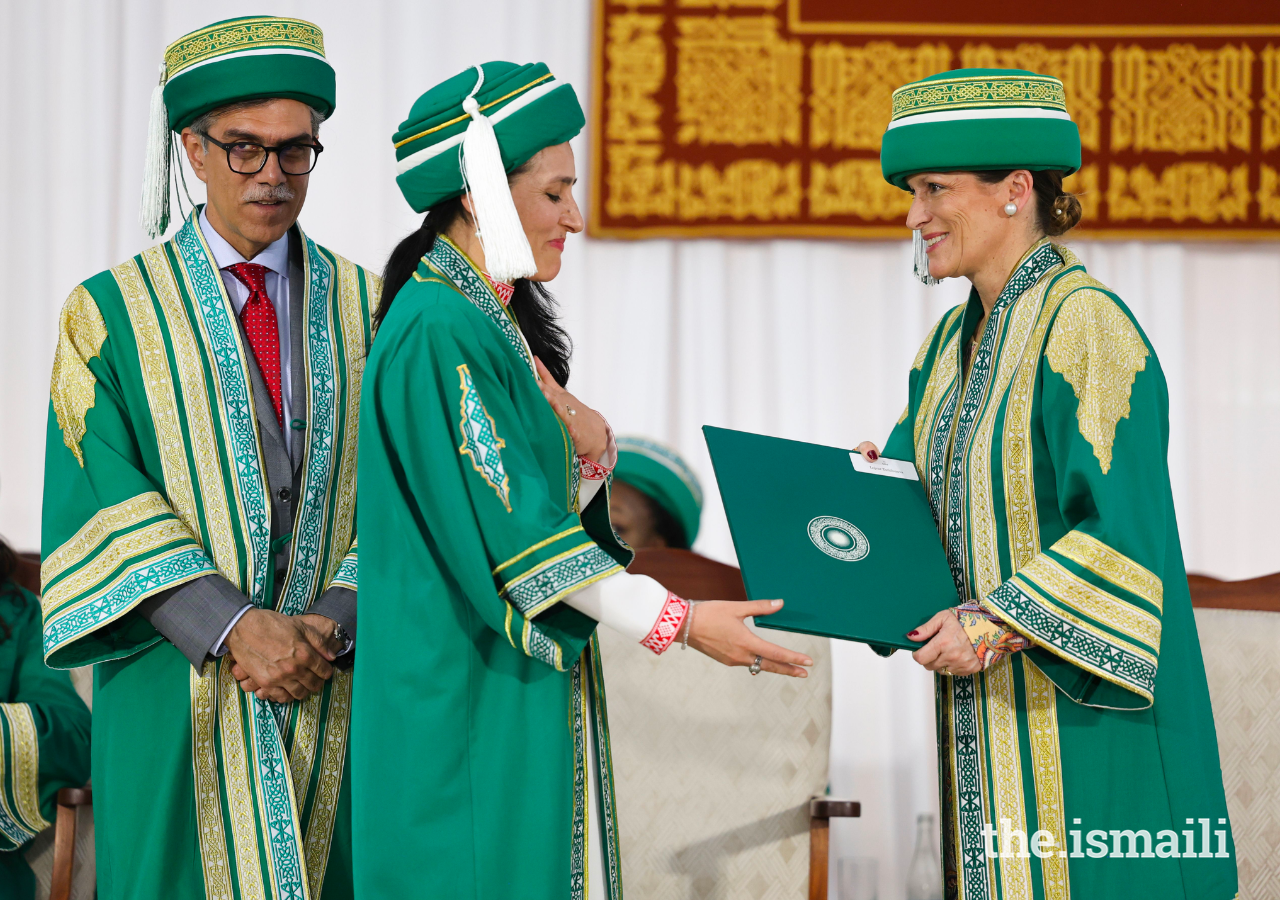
1076	741
44	732
480	748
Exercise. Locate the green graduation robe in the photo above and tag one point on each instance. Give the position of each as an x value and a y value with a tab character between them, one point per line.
476	688
44	733
154	477
1046	470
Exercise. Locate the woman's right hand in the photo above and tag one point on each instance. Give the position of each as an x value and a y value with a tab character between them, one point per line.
718	630
869	450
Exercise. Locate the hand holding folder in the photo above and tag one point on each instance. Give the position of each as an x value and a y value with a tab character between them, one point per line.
850	544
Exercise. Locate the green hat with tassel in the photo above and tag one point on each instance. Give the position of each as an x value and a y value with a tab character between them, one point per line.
249	58
465	134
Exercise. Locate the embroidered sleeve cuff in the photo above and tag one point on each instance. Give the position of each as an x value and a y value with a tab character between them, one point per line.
541	575
665	629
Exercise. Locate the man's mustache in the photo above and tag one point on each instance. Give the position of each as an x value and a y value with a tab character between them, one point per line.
269	193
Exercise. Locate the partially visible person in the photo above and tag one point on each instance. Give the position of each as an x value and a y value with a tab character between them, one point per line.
199	510
1072	700
44	732
656	499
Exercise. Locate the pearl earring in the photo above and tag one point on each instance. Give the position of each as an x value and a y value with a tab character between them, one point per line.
1011	209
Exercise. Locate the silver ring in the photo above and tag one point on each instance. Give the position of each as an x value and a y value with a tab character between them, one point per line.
754	668
570	410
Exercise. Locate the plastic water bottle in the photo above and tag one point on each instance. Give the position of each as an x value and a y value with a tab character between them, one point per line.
924	875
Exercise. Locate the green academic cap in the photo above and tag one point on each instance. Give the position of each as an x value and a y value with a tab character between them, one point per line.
250	58
466	134
662	474
971	120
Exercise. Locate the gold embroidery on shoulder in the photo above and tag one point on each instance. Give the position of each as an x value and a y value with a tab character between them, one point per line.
81	334
1097	349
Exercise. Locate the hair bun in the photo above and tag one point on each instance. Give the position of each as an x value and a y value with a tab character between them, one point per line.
1065	214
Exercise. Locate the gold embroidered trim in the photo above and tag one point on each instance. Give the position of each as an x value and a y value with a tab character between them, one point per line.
92	576
1006	771
1019	480
536	547
81	334
1071	590
923	352
1046	761
905	410
203	419
92	533
324	810
1097	349
25	777
941	382
213	841
306	736
1021	318
250	33
353	316
993	91
1087	551
236	781
1035	593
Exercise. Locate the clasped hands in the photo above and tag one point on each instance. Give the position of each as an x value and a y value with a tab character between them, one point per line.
282	658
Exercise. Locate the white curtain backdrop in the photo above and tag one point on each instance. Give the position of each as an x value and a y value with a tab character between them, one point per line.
803	339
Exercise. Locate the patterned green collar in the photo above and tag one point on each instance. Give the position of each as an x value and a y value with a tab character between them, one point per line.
450	263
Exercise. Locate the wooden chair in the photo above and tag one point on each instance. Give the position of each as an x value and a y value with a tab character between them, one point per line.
691	575
64	841
1239	627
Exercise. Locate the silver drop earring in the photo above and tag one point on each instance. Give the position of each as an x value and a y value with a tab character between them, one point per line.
921	259
1011	209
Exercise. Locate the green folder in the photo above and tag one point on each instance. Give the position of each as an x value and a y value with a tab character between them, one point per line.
855	554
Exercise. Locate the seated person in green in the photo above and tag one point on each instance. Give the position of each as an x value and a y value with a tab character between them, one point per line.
44	730
656	500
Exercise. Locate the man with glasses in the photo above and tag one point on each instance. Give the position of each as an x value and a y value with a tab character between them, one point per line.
199	541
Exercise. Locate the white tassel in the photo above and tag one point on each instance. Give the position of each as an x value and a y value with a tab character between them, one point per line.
921	259
154	215
507	254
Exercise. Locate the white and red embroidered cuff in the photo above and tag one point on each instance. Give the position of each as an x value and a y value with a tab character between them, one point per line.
668	625
592	470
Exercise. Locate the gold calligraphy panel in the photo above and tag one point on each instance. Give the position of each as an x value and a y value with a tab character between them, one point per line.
763	118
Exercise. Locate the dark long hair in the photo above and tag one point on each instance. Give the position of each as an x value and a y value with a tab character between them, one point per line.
533	305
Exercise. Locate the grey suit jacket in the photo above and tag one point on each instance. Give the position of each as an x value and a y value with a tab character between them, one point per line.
193	616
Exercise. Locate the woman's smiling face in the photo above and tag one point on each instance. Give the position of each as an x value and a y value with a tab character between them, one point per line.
962	218
543	196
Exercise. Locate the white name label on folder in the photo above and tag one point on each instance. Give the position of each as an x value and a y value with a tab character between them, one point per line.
894	468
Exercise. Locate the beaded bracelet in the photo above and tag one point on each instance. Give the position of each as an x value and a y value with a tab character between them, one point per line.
688	625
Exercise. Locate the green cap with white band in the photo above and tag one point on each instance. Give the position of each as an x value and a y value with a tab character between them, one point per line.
972	120
249	58
465	134
661	473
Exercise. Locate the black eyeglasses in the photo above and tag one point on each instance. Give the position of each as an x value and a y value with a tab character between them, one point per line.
250	158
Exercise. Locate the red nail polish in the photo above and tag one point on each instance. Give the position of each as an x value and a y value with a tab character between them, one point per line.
873	455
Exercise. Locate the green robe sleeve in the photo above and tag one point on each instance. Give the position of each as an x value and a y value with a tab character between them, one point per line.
1092	601
489	471
43	722
109	536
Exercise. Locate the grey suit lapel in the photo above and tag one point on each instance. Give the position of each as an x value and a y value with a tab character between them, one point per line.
297	345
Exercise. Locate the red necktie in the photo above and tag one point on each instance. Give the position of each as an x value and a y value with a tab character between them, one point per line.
259	319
